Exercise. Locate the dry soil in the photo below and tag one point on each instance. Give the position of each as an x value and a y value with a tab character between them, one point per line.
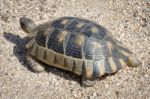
129	22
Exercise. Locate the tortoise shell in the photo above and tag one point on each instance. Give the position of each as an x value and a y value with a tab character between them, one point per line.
75	44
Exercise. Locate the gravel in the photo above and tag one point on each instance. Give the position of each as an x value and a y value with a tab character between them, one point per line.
129	22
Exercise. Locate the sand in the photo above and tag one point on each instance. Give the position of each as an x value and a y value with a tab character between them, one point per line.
129	22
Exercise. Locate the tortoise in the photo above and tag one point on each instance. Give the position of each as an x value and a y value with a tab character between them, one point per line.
77	45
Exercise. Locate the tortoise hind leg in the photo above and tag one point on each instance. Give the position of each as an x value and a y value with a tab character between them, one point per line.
87	82
36	67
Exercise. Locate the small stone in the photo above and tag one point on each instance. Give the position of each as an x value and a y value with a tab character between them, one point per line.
72	90
5	18
8	59
117	93
41	8
143	22
71	83
106	85
14	18
75	94
146	75
0	94
54	6
125	26
93	96
0	51
56	83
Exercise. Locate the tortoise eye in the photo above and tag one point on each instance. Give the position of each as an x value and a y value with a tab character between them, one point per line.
24	27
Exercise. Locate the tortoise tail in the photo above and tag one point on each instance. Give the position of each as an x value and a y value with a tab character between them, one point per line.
128	57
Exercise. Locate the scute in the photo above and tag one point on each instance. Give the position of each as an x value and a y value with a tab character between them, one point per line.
41	38
89	48
74	45
95	31
116	56
61	22
54	43
75	26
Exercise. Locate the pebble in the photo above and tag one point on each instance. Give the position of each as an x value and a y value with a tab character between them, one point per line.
5	18
0	50
146	75
106	85
143	22
94	95
71	83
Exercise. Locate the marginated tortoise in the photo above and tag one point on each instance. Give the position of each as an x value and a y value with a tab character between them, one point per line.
77	45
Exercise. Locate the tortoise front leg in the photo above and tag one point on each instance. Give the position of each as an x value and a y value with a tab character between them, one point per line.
36	67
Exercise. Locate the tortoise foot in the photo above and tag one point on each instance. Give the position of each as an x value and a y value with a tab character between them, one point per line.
36	67
87	82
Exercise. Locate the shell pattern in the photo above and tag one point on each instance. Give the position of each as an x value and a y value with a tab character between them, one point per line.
75	44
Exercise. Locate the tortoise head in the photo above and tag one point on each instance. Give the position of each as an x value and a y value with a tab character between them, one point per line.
27	25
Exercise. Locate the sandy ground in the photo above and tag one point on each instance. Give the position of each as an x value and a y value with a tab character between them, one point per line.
129	22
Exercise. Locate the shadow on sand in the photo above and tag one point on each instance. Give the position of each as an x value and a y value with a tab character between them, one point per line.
19	51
